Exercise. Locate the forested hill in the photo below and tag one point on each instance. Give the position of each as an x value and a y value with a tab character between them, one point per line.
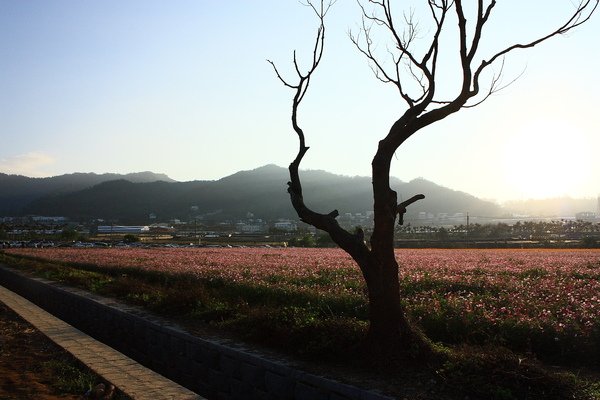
17	191
261	191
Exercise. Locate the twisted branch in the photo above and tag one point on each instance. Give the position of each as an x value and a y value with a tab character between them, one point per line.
401	208
352	243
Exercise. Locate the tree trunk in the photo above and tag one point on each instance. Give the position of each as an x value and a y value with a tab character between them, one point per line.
387	322
391	335
390	330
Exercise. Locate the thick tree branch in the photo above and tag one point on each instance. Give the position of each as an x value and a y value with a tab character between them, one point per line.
482	18
401	208
467	51
471	80
352	243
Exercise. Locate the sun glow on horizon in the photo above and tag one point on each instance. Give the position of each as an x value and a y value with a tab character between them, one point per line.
547	158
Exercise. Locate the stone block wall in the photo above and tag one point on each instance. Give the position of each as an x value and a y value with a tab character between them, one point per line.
212	368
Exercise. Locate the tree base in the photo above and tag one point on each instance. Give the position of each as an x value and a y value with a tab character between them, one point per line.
410	347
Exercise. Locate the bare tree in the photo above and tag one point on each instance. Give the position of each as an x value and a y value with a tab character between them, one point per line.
414	73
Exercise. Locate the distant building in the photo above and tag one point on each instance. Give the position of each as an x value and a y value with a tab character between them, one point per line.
49	220
161	228
120	229
422	215
586	216
286	226
252	226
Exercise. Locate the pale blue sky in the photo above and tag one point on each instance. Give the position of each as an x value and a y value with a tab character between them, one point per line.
183	88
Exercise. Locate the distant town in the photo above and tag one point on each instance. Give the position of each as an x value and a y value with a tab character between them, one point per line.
419	230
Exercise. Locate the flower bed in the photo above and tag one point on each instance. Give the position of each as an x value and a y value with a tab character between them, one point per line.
546	301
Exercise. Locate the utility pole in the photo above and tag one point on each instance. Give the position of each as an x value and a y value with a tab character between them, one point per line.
467	227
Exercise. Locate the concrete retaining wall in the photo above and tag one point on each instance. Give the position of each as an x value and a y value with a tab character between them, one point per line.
212	368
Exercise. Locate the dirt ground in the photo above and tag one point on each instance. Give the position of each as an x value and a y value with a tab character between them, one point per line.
23	352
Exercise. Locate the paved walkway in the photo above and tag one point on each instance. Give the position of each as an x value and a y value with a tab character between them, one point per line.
133	379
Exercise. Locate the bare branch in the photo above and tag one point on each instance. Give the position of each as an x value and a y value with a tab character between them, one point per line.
422	72
496	85
402	44
471	76
401	208
433	48
582	14
367	51
419	80
352	243
367	48
372	17
482	18
279	76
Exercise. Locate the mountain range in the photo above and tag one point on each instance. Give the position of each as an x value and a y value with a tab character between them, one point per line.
131	198
17	191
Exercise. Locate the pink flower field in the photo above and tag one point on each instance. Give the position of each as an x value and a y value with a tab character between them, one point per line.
544	289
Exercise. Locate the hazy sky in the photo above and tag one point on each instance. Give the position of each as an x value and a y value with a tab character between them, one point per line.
183	88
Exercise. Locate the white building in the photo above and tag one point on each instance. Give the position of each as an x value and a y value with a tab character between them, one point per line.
49	220
286	225
251	227
120	229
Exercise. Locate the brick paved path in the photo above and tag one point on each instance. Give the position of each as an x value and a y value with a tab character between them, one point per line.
133	379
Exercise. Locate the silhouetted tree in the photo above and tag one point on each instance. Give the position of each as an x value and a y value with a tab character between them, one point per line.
414	71
69	234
